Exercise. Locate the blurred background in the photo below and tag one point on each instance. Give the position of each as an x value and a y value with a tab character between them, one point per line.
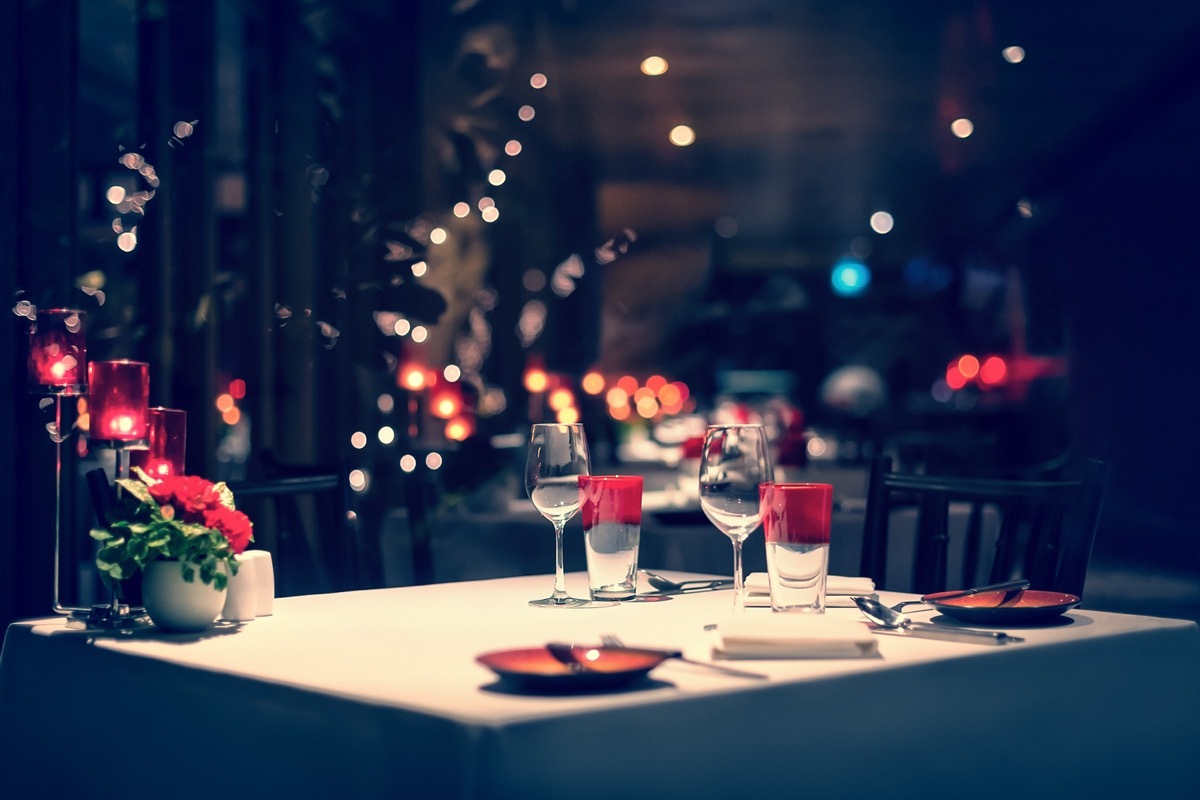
377	240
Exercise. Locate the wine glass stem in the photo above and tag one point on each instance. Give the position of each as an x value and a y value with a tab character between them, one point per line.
738	602
560	579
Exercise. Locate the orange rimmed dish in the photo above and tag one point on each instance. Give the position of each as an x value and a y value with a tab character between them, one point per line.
1030	606
598	668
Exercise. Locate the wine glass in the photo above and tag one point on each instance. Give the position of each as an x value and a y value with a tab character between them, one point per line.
733	463
558	455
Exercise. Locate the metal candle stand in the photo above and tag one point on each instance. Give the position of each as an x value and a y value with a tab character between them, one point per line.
119	392
58	366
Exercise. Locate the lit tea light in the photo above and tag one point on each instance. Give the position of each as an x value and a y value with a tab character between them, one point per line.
57	352
167	435
119	392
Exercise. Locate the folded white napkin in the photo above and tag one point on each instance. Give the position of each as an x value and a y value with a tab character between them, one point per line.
792	636
838	590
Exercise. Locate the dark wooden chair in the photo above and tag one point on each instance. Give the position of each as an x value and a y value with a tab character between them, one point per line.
1046	527
305	517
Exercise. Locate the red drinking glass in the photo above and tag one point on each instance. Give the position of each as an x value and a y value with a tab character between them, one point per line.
798	513
118	404
610	498
611	510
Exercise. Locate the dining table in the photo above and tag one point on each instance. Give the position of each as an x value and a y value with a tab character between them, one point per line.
380	693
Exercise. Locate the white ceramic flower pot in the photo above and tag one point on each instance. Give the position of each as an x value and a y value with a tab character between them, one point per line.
175	604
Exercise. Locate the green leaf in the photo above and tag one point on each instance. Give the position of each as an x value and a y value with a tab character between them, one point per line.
138	489
225	493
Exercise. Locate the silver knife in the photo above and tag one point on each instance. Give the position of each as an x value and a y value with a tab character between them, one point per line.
931	631
726	583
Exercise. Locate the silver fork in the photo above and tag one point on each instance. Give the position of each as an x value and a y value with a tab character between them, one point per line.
609	640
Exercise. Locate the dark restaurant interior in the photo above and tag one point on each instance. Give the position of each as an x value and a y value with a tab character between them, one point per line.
377	240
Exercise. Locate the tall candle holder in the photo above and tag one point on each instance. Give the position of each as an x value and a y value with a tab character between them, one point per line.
58	366
118	409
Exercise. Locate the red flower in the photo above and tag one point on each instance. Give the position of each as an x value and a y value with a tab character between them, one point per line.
235	526
191	496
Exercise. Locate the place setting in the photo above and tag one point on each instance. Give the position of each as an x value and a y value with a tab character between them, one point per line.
779	614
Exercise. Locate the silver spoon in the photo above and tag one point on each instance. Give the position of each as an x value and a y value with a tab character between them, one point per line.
891	619
665	584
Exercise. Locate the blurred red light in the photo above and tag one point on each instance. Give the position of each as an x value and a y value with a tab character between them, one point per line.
955	379
968	365
994	371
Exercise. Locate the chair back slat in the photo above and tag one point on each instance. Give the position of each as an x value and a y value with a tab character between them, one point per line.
1046	528
933	540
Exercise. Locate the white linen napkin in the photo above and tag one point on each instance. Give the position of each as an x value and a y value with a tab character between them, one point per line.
838	590
792	636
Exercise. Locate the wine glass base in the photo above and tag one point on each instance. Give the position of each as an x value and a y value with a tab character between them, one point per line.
560	602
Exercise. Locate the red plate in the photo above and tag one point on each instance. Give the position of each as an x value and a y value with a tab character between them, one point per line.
535	669
990	608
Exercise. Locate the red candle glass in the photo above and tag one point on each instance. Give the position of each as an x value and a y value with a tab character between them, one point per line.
167	434
118	406
58	352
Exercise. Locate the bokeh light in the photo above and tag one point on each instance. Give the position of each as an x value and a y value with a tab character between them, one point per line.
682	136
962	127
968	366
358	440
850	277
654	65
536	380
882	222
593	383
994	371
560	398
955	379
1013	54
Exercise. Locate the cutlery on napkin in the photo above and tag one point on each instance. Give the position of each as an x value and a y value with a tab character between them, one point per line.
838	590
792	636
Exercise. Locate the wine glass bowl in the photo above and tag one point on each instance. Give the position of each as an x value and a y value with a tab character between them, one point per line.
557	456
733	463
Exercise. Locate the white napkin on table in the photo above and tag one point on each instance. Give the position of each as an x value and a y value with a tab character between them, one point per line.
838	590
792	636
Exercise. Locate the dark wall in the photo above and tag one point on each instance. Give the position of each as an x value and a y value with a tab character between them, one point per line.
1127	242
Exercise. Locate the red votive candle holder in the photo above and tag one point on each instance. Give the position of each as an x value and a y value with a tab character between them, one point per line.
58	352
167	434
118	405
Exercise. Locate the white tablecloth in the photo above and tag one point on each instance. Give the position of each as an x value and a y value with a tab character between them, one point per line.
377	694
